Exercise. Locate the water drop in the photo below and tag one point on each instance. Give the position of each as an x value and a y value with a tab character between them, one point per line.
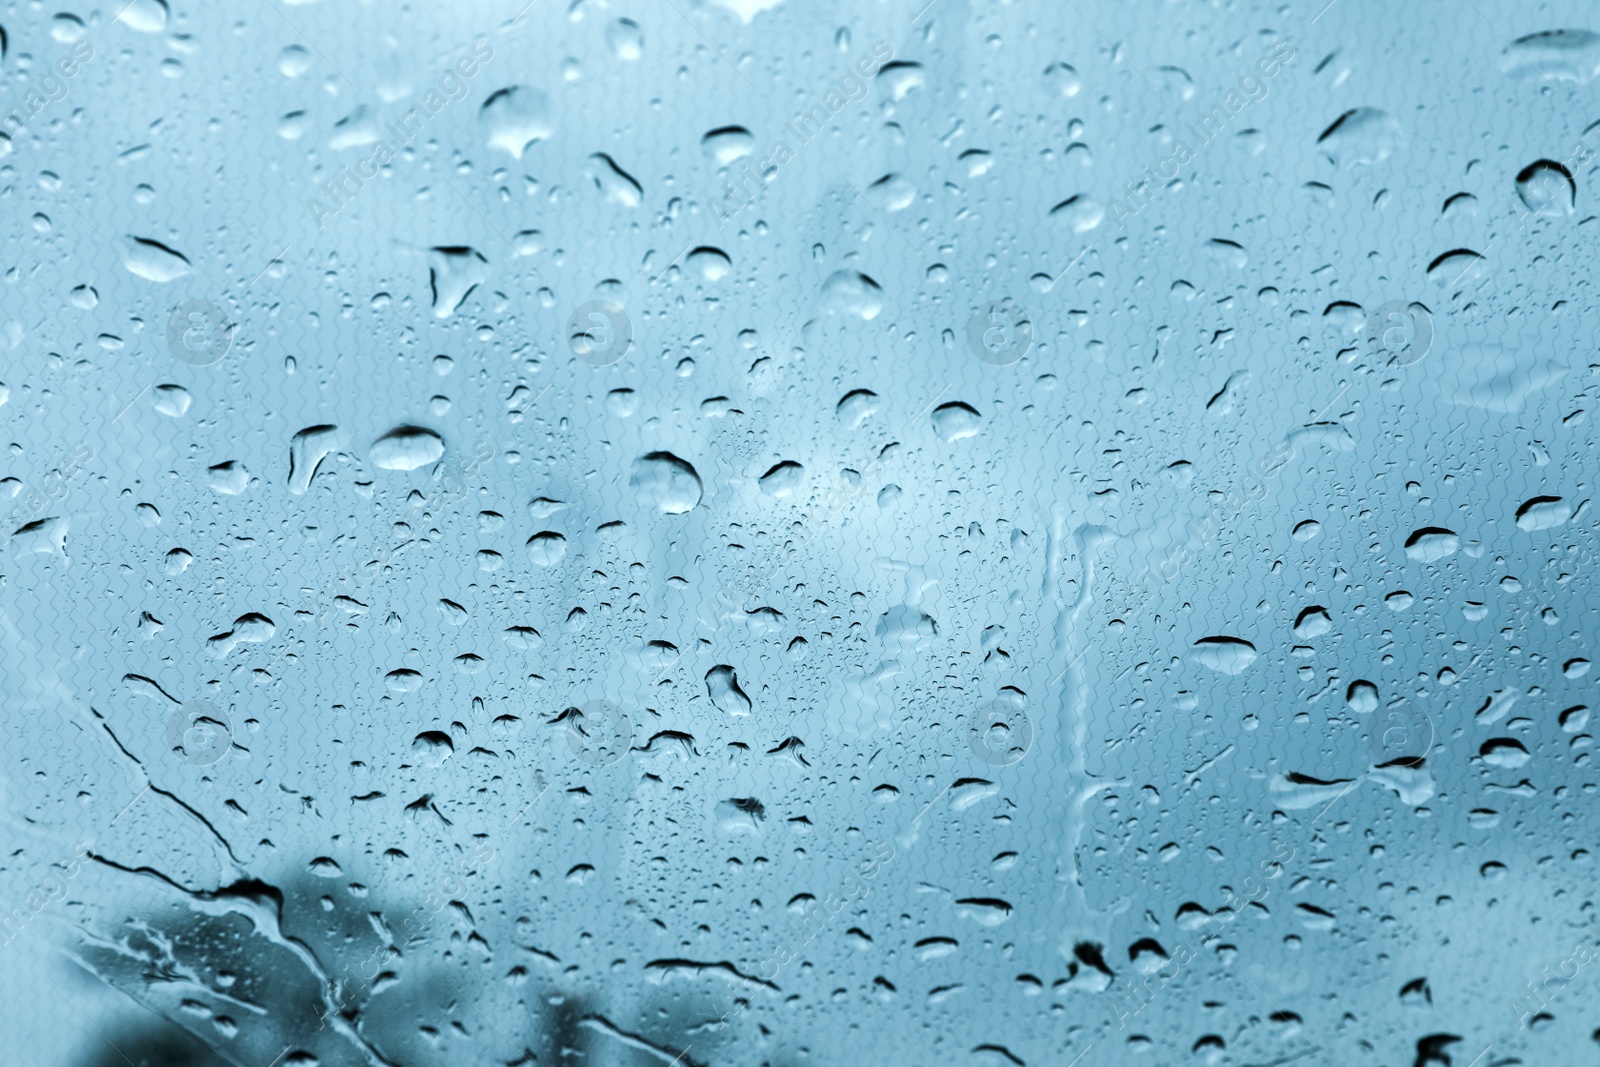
856	406
1504	752
722	686
294	61
891	193
228	479
848	292
1227	655
307	450
1307	530
145	16
783	479
406	448
614	183
1080	213
662	481
171	400
1431	544
1547	188
726	144
453	272
625	39
153	261
955	421
1065	79
1361	136
1312	622
403	680
546	548
516	117
1543	513
1563	55
712	264
433	747
1362	696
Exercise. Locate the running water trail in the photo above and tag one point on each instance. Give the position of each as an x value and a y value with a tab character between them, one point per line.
1071	595
239	893
902	633
261	904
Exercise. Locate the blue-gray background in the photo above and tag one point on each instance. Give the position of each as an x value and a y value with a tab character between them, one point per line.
1226	850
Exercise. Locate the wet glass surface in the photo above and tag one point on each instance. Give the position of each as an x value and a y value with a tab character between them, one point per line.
773	532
